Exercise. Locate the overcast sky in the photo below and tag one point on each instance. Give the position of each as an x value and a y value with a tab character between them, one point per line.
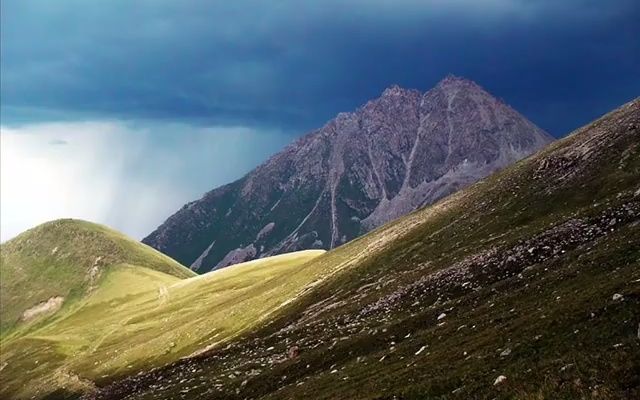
120	111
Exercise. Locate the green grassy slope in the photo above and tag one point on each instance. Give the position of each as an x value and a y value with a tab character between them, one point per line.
139	318
533	273
67	259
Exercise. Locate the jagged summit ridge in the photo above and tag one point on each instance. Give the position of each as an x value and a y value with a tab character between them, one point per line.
452	79
362	169
396	90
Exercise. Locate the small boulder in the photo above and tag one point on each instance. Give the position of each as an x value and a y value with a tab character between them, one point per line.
458	390
294	352
500	380
618	297
566	367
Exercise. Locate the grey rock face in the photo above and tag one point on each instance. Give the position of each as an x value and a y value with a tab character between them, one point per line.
362	169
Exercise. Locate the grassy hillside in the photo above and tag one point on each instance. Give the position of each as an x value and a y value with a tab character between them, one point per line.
66	260
524	286
139	318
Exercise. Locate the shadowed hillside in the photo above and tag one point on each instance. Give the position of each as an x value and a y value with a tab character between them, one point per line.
525	285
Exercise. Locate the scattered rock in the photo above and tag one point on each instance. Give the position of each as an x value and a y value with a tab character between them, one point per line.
458	390
441	316
618	297
566	367
265	230
293	352
421	350
500	380
505	352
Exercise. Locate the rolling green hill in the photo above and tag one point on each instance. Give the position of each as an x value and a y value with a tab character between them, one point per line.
523	286
144	311
65	260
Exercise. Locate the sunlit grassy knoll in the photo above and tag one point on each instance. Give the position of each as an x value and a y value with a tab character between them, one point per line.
66	258
140	318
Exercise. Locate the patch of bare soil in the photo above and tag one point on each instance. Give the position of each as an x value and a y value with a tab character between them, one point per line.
50	306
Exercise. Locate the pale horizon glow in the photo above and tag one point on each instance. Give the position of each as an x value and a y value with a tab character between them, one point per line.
104	172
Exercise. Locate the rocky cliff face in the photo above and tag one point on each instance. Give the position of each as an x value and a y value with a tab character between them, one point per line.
393	155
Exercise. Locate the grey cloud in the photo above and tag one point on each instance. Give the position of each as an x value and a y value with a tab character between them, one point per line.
294	64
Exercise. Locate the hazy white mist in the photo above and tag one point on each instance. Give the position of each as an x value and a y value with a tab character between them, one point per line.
127	176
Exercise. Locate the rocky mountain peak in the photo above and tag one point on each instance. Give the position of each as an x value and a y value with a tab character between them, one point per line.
395	90
453	80
362	169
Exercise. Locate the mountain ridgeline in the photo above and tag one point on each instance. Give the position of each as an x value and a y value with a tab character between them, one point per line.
362	169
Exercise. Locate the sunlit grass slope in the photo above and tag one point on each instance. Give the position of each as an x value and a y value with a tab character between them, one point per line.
66	259
138	318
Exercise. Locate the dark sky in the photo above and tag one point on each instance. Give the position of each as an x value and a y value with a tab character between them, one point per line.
292	65
121	111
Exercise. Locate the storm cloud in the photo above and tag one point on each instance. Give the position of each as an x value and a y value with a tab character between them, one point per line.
293	65
121	111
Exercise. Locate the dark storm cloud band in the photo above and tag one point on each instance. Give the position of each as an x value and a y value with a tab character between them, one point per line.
295	64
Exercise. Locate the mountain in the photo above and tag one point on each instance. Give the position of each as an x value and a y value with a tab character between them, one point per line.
362	169
61	262
524	285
